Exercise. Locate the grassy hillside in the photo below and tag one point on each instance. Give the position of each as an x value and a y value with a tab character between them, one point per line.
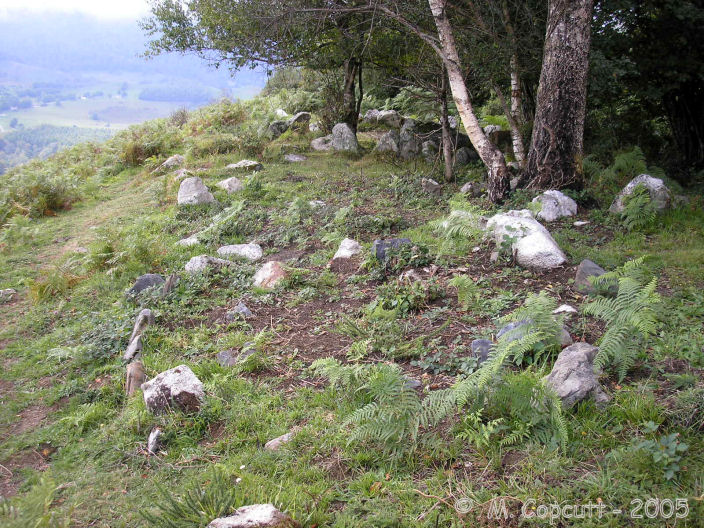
81	226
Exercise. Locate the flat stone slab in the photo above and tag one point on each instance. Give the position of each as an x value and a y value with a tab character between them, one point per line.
251	252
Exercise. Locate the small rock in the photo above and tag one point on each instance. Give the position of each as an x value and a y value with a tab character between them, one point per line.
317	204
255	516
133	349
464	156
565	309
389	118
481	348
277	443
348	248
281	113
301	118
144	319
178	387
409	143
494	257
154	441
135	377
555	205
413	383
145	282
246	166
473	189
231	185
251	252
270	275
581	223
314	127
188	242
380	247
201	263
230	358
430	186
194	192
587	269
344	139
169	285
573	377
276	128
429	150
7	295
322	144
241	310
371	116
659	193
294	158
565	338
171	163
180	174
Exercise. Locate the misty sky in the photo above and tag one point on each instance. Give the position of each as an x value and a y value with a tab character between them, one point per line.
102	8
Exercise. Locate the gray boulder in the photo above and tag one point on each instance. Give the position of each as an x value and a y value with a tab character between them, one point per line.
202	263
473	189
276	128
144	282
231	185
294	158
388	142
429	149
348	248
555	205
586	269
380	247
344	139
573	377
255	516
371	116
430	186
659	193
532	245
322	144
175	388
175	161
245	166
299	119
464	156
251	252
193	191
409	144
389	118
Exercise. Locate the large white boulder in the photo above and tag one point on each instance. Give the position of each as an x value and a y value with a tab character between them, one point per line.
193	191
533	246
555	205
255	516
247	251
178	387
659	193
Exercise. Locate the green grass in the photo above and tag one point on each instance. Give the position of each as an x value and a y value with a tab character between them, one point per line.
62	348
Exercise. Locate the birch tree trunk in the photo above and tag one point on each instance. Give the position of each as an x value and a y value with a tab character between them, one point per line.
555	156
447	146
498	181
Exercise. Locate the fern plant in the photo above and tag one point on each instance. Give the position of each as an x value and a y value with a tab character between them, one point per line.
197	507
391	411
639	210
631	317
538	336
468	292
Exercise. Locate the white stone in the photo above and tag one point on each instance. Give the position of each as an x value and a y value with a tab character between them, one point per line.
555	205
255	516
188	242
389	118
294	158
565	309
202	263
245	166
533	246
573	377
276	443
659	193
153	441
248	251
178	387
231	185
171	163
344	139
280	113
580	223
269	275
348	249
317	204
193	192
322	144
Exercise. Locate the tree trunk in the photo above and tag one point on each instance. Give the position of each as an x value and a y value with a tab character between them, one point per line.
350	115
555	156
498	181
447	146
519	151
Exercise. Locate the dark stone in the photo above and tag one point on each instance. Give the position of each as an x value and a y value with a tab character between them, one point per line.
481	349
241	310
380	247
230	358
413	383
514	329
277	128
144	282
587	269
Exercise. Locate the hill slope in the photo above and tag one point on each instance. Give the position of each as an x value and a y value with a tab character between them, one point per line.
73	445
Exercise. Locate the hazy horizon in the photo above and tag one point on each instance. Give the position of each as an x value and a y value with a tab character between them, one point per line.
123	10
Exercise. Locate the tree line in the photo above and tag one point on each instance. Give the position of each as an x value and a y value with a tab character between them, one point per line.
533	55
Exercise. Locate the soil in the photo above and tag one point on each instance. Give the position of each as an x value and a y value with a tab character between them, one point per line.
11	469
